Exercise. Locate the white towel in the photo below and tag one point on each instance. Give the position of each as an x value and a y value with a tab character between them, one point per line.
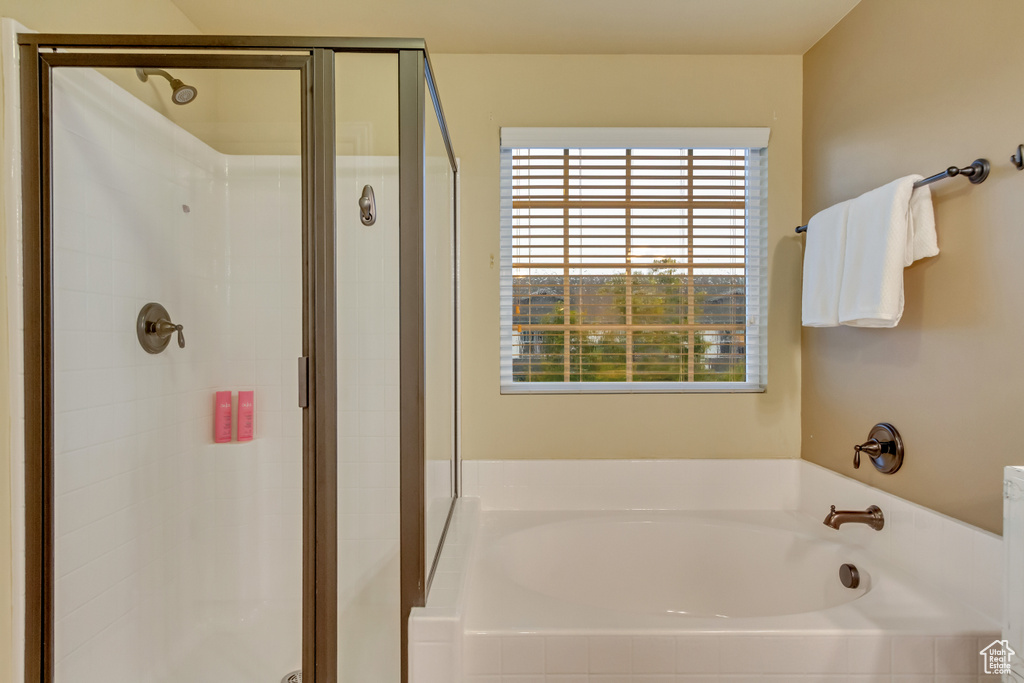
887	229
824	251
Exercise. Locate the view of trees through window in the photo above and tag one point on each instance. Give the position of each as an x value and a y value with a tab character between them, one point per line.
628	265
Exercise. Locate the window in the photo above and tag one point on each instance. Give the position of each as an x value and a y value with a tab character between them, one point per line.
633	260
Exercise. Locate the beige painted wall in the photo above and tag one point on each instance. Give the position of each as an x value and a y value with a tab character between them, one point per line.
481	93
913	86
99	16
95	16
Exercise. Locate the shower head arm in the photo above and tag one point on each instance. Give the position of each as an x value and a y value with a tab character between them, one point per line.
180	93
145	73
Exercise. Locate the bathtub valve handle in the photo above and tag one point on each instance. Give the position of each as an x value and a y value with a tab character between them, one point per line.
872	447
884	447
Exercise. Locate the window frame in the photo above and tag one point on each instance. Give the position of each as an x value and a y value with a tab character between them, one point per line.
753	140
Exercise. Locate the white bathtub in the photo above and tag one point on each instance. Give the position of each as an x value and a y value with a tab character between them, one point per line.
681	565
743	572
601	597
695	571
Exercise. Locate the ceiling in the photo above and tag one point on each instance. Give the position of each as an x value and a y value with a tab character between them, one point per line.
541	26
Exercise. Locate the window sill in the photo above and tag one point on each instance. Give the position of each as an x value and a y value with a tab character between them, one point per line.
631	388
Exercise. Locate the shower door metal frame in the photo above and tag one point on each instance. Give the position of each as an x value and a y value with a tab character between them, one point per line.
415	82
314	58
37	202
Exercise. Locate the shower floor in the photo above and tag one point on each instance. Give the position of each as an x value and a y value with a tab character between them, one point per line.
263	647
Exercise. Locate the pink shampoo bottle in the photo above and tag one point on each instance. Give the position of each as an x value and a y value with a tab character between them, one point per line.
222	417
246	415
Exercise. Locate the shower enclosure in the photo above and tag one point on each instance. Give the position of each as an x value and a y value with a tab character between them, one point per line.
240	355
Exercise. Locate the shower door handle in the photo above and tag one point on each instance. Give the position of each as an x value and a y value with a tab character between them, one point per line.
303	381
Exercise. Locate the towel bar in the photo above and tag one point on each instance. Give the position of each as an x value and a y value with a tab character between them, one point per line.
976	173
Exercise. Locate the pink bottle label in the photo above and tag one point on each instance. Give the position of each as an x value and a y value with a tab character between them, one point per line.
222	417
246	415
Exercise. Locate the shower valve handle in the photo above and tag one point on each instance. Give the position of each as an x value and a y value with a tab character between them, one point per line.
165	328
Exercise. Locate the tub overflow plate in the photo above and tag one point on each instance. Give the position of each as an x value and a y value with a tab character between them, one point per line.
849	576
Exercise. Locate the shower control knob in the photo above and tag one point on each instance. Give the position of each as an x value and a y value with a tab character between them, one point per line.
154	328
884	447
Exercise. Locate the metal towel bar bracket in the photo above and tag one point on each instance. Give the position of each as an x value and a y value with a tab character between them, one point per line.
977	172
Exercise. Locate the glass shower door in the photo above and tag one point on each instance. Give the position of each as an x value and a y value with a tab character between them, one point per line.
177	266
198	212
440	280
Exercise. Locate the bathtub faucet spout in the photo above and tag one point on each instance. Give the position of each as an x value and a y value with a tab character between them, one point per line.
872	517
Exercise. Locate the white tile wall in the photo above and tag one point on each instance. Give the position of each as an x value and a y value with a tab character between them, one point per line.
632	484
368	423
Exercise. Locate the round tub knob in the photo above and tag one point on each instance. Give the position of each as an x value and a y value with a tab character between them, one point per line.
849	576
884	448
155	329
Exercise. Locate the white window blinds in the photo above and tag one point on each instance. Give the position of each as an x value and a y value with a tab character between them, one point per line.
633	268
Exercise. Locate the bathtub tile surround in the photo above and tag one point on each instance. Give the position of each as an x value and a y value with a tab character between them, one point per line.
566	655
436	630
697	655
1013	534
612	646
633	484
722	658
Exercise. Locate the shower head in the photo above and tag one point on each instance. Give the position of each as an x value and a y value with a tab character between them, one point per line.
180	93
